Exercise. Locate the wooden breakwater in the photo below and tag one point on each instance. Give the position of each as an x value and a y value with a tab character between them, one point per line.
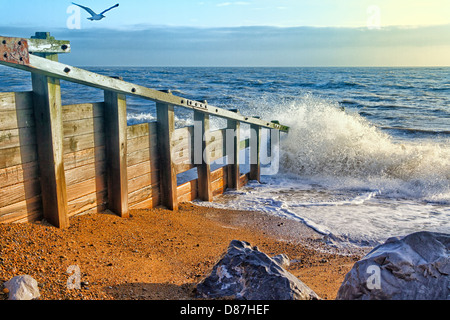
58	161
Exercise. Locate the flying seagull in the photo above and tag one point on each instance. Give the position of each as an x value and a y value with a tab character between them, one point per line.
93	14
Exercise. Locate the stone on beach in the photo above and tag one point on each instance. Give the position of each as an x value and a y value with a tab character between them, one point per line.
249	274
415	267
22	288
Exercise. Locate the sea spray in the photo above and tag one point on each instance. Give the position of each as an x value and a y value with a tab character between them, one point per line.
340	149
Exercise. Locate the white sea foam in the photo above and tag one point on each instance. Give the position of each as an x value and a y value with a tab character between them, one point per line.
346	178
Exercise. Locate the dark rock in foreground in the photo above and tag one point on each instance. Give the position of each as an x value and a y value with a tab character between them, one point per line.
415	267
247	273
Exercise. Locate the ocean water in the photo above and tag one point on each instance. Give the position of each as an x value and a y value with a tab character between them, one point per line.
367	156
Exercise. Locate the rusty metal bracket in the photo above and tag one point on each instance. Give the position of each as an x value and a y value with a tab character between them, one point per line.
14	50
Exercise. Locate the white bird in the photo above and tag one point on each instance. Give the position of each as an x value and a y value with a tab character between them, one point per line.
95	16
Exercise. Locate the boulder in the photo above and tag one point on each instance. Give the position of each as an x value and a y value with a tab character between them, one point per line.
22	288
414	267
245	273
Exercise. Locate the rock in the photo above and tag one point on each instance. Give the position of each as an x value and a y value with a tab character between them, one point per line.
282	260
247	273
415	267
22	288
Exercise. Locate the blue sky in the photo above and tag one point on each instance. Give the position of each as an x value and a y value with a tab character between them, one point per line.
244	33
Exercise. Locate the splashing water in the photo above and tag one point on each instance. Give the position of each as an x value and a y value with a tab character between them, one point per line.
348	179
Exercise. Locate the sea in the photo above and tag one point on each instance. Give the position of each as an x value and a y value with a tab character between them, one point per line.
367	156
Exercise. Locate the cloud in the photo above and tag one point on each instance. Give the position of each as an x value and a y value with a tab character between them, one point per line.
226	4
253	46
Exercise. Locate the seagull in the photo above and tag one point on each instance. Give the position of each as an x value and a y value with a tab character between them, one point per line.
93	14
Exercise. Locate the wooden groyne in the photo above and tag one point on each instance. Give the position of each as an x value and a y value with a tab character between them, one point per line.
58	161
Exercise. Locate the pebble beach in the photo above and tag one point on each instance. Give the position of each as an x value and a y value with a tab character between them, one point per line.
158	254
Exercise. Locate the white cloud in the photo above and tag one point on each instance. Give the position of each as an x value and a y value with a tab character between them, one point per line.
237	3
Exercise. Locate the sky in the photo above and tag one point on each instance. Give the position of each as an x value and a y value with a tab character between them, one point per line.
241	33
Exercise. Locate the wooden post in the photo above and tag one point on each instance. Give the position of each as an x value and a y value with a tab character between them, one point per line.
49	133
255	150
116	152
166	126
232	139
201	156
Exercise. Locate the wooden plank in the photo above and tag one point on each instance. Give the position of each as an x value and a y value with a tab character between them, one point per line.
218	186
143	194
142	142
142	168
201	158
83	126
143	129
166	126
219	173
143	181
82	142
7	101
12	101
148	203
21	210
189	187
89	171
188	191
18	155
13	119
143	155
17	137
83	157
116	152
232	140
243	180
94	185
19	173
94	202
69	73
49	129
255	150
83	111
19	192
48	46
183	167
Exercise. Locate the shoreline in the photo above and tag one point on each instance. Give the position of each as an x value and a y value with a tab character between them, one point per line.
158	254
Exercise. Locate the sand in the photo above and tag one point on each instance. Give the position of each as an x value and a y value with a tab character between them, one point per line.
158	254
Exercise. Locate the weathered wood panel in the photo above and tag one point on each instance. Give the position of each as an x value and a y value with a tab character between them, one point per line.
11	138
143	194
151	178
19	192
12	101
141	169
188	191
26	210
89	171
148	203
143	129
83	126
91	203
19	173
17	155
84	157
83	111
80	189
82	142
